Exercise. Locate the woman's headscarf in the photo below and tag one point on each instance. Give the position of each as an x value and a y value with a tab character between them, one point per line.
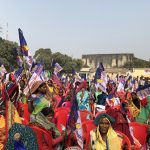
103	115
112	141
28	137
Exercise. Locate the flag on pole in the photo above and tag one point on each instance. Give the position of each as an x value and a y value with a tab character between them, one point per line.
23	44
57	68
74	120
25	50
98	73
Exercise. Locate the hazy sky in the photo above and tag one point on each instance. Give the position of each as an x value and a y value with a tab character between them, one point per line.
76	27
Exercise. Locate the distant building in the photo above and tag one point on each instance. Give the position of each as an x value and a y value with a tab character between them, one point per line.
113	63
108	60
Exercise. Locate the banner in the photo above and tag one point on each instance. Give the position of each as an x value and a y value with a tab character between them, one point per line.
143	92
78	131
35	77
57	68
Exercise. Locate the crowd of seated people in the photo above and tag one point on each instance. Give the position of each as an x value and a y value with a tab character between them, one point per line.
109	119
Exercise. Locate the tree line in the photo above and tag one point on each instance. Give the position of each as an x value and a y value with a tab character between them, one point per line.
42	55
137	63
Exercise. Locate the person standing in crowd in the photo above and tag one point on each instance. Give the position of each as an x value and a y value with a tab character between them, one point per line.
141	81
83	97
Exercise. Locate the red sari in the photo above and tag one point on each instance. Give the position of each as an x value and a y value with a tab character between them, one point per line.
121	122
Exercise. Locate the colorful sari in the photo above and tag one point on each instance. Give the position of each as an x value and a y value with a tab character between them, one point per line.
2	131
28	138
83	100
6	124
113	142
145	112
39	103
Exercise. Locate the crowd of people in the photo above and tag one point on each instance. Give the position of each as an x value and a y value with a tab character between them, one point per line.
113	106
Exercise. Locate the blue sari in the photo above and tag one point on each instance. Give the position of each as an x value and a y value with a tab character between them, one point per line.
83	100
18	145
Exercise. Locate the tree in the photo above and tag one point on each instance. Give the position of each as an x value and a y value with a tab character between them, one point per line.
7	54
67	62
79	64
44	56
137	63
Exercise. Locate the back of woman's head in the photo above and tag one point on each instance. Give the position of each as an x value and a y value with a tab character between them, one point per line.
47	110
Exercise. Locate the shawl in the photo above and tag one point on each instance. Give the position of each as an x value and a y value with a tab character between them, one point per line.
28	137
114	142
39	103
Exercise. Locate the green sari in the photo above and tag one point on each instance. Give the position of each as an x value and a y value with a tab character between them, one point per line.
145	112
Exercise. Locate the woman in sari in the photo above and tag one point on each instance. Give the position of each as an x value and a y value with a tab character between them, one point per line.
37	102
121	117
83	99
21	138
8	111
104	137
134	104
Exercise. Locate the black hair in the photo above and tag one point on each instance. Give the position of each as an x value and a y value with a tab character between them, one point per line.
47	110
124	104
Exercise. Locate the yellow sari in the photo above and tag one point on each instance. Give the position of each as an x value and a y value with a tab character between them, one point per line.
13	116
134	110
2	131
97	143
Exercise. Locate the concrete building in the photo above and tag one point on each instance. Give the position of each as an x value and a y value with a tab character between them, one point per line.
108	60
113	63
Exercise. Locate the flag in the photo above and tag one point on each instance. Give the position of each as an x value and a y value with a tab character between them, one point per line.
78	131
143	92
74	121
43	75
17	57
29	61
57	68
73	116
98	73
35	77
112	100
25	50
73	71
19	61
56	80
18	73
23	44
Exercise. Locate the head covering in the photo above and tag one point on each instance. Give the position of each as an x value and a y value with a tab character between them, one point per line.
83	84
103	115
28	137
35	86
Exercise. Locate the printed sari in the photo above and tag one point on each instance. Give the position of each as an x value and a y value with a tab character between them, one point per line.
83	100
